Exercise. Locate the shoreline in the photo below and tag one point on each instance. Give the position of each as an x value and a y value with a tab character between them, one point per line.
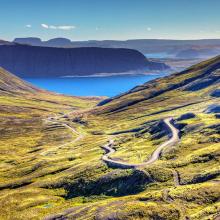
119	74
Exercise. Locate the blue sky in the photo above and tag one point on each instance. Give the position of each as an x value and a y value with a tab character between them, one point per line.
110	19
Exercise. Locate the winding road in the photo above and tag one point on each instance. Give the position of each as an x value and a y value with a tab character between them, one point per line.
156	154
54	120
108	147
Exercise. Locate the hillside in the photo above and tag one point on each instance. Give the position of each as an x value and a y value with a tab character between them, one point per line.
55	156
196	78
10	84
30	61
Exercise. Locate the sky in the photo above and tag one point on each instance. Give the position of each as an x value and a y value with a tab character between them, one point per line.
110	19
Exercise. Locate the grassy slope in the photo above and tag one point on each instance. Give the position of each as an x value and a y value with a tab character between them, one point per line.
39	178
25	136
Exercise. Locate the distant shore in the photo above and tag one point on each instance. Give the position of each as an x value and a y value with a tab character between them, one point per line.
121	74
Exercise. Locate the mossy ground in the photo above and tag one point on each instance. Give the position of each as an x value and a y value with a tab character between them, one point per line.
41	176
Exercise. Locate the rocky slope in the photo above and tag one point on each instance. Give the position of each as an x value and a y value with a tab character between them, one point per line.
30	61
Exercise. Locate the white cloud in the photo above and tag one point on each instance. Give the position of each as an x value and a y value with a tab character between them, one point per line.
61	27
52	27
28	25
149	28
45	26
97	28
66	27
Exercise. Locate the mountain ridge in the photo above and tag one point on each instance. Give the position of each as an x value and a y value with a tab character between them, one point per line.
204	47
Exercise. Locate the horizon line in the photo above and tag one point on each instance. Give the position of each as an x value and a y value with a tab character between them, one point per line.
167	39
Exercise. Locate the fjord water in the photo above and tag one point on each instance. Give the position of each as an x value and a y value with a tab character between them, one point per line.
92	86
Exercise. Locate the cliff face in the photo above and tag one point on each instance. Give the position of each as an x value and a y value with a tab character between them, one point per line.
30	61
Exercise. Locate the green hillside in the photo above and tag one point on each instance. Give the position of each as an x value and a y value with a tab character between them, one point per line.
51	150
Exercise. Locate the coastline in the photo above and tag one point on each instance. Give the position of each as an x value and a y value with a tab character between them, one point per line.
148	73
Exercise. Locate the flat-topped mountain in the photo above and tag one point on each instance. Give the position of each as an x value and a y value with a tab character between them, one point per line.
3	42
35	41
30	61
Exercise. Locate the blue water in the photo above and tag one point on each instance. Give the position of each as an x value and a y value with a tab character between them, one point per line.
92	86
159	55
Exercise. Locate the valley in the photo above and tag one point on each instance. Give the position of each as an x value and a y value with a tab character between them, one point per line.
52	150
109	110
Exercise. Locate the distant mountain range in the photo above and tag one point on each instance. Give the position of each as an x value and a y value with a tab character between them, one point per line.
203	48
197	53
32	61
3	42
